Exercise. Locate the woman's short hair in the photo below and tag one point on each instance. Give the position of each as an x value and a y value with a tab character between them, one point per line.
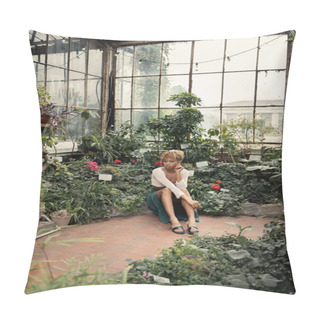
177	155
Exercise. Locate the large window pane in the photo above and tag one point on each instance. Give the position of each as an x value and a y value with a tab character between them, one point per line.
78	50
76	89
74	126
167	112
208	88
124	61
239	120
211	118
121	116
239	89
176	58
229	114
273	52
123	93
145	92
142	116
208	56
39	70
95	58
241	54
272	121
271	88
57	85
58	51
147	60
94	92
93	124
172	85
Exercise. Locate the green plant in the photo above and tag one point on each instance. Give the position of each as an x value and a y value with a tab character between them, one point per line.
56	118
98	148
247	131
185	99
230	260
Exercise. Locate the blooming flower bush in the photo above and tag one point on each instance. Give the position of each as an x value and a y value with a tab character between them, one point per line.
93	165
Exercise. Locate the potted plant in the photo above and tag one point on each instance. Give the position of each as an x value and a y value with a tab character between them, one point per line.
61	217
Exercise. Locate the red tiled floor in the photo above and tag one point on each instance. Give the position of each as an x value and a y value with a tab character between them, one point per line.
130	238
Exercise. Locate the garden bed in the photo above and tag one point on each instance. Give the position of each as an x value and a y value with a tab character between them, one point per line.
226	189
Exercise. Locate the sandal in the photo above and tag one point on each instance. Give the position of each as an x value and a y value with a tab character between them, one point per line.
193	229
178	228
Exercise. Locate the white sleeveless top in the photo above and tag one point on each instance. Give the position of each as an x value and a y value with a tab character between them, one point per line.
159	179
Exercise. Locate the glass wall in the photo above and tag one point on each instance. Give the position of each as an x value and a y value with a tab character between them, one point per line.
71	69
234	78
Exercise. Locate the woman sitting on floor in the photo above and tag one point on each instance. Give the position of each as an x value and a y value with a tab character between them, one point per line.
169	197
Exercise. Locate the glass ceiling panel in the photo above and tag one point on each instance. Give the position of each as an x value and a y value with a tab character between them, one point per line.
78	50
95	58
147	60
241	54
273	52
124	61
176	58
208	56
58	51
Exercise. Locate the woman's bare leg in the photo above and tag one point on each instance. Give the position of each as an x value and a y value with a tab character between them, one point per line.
189	209
165	196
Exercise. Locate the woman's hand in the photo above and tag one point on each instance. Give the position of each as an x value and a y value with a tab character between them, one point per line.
179	168
194	204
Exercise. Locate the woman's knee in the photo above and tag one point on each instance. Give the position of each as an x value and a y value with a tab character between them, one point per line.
164	192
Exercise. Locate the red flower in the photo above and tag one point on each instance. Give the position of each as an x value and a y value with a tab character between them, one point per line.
159	163
133	161
117	161
215	187
218	181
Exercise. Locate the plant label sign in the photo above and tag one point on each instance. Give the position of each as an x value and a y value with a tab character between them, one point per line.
185	146
255	157
202	164
105	177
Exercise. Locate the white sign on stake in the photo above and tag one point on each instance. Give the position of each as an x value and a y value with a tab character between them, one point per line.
185	146
105	177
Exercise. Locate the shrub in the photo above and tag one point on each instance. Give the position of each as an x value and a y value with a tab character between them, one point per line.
228	260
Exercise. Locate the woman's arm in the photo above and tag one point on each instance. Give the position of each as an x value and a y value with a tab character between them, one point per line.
160	176
182	178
